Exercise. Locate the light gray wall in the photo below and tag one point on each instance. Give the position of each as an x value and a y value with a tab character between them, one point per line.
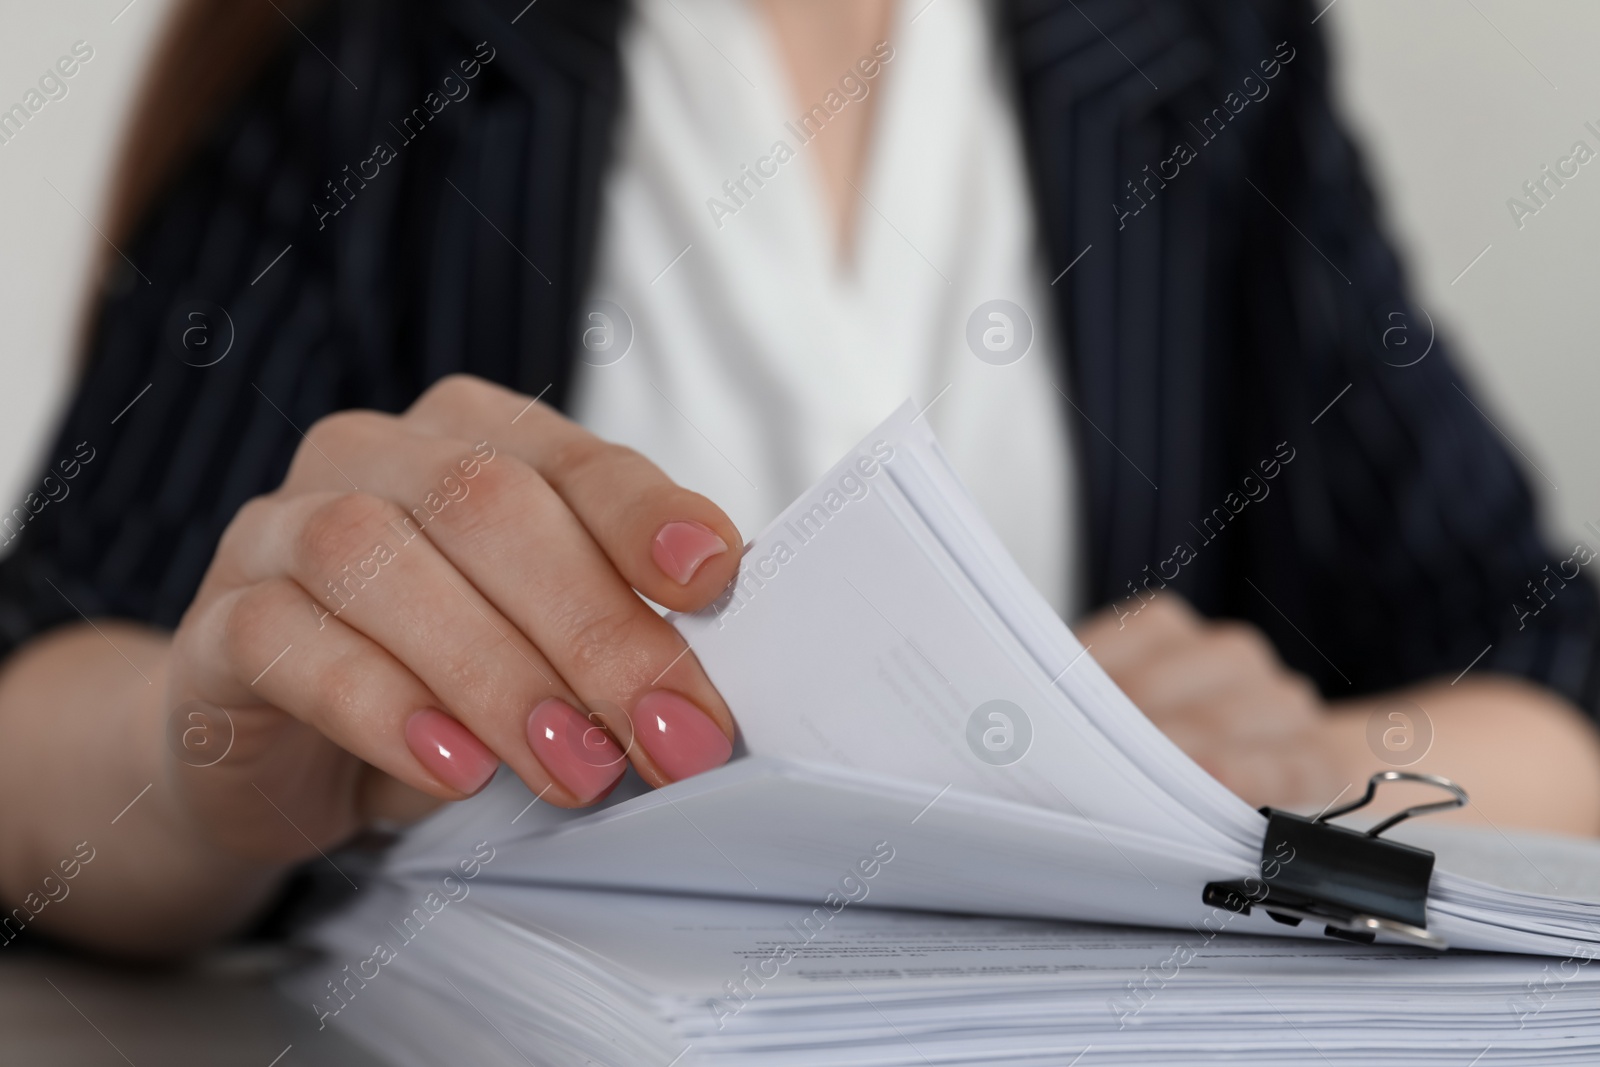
1457	101
47	248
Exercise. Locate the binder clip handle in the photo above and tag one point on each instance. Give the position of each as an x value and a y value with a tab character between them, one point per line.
1356	885
1458	799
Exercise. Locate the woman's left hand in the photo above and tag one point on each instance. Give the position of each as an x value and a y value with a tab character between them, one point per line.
1219	690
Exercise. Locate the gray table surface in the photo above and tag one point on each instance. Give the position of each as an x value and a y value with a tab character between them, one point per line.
57	1010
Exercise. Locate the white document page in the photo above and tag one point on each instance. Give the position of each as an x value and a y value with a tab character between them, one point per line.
852	637
767	828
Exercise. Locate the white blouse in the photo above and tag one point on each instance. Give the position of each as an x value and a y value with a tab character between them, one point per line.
725	340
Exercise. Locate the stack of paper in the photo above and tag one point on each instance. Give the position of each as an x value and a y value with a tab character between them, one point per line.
901	689
578	977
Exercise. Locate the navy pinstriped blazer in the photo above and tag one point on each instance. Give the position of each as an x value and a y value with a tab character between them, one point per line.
1237	287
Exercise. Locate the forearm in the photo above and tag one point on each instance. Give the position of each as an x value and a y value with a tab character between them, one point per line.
1528	758
84	771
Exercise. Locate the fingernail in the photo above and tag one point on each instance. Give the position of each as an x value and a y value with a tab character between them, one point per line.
680	738
578	753
680	548
449	750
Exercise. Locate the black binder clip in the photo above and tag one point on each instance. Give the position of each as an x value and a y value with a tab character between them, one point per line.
1357	885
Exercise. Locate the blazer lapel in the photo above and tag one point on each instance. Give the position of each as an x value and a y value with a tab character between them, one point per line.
1094	80
564	56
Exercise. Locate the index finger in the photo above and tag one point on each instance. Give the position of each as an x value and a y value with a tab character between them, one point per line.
671	544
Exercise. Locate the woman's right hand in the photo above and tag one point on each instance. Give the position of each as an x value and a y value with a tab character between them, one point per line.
432	594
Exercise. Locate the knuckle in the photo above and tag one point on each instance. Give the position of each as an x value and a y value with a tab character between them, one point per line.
254	511
496	478
1297	691
453	392
252	515
343	527
249	625
1167	612
330	439
498	493
1170	606
583	453
331	430
1242	643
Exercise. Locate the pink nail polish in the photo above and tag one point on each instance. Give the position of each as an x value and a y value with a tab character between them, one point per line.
680	548
578	753
449	751
680	738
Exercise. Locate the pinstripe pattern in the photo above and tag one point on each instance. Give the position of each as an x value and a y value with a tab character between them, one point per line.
1224	317
1215	324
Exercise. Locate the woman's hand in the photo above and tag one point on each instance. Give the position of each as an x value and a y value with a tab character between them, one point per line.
433	594
1527	757
1219	690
